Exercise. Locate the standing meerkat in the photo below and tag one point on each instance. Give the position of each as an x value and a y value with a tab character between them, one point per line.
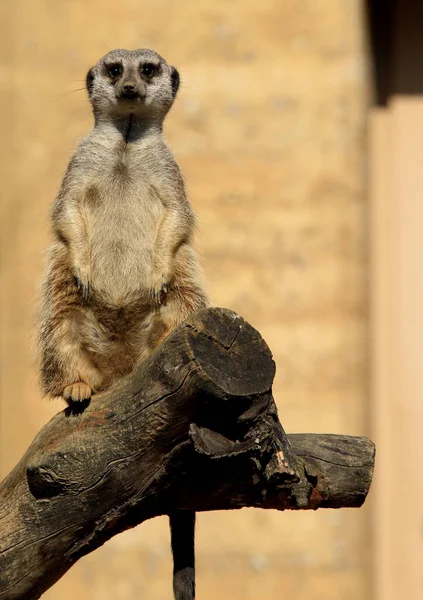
122	271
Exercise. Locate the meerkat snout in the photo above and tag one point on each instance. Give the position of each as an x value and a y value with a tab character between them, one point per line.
130	90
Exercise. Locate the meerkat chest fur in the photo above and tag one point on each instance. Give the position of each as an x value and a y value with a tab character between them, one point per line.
121	208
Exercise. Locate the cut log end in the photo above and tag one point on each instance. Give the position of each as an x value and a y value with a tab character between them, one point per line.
231	354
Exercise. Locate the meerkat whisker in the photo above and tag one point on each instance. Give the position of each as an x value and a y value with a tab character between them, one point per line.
67	93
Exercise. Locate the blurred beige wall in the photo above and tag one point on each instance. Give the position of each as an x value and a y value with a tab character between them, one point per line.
269	131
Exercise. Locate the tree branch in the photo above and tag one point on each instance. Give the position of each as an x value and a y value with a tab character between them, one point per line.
194	427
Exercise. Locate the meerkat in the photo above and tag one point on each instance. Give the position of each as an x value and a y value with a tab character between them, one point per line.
122	272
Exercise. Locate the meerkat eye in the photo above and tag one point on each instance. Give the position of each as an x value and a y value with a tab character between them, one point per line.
148	69
115	70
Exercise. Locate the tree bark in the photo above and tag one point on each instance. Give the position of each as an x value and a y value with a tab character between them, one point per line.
194	427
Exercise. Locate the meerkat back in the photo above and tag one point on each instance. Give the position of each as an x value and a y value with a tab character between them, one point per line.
122	271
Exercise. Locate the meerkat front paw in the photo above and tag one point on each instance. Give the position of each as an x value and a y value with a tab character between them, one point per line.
77	392
82	279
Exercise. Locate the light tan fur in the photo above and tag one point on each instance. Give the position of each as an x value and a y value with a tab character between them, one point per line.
122	271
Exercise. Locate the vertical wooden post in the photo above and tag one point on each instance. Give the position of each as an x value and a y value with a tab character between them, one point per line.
383	374
396	152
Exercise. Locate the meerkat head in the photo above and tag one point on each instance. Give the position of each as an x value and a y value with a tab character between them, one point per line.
138	82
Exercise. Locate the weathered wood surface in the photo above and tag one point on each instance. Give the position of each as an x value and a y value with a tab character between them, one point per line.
195	427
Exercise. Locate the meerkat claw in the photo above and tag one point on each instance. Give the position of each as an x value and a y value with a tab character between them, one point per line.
82	282
84	288
159	295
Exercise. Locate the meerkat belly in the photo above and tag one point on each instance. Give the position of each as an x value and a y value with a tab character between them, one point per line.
121	231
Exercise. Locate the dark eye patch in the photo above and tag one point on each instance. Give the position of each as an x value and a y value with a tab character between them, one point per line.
114	70
149	70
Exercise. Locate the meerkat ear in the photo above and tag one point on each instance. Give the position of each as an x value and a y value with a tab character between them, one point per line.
89	81
174	77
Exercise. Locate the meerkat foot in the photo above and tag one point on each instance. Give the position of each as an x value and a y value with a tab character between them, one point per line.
77	392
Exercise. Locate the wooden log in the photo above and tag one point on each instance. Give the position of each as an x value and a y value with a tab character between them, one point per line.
194	427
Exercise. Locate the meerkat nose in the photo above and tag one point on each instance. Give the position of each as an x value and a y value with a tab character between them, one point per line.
129	89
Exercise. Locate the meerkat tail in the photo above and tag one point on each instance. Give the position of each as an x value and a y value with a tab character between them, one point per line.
182	528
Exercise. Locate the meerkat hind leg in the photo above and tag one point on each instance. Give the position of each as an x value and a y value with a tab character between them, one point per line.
67	368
